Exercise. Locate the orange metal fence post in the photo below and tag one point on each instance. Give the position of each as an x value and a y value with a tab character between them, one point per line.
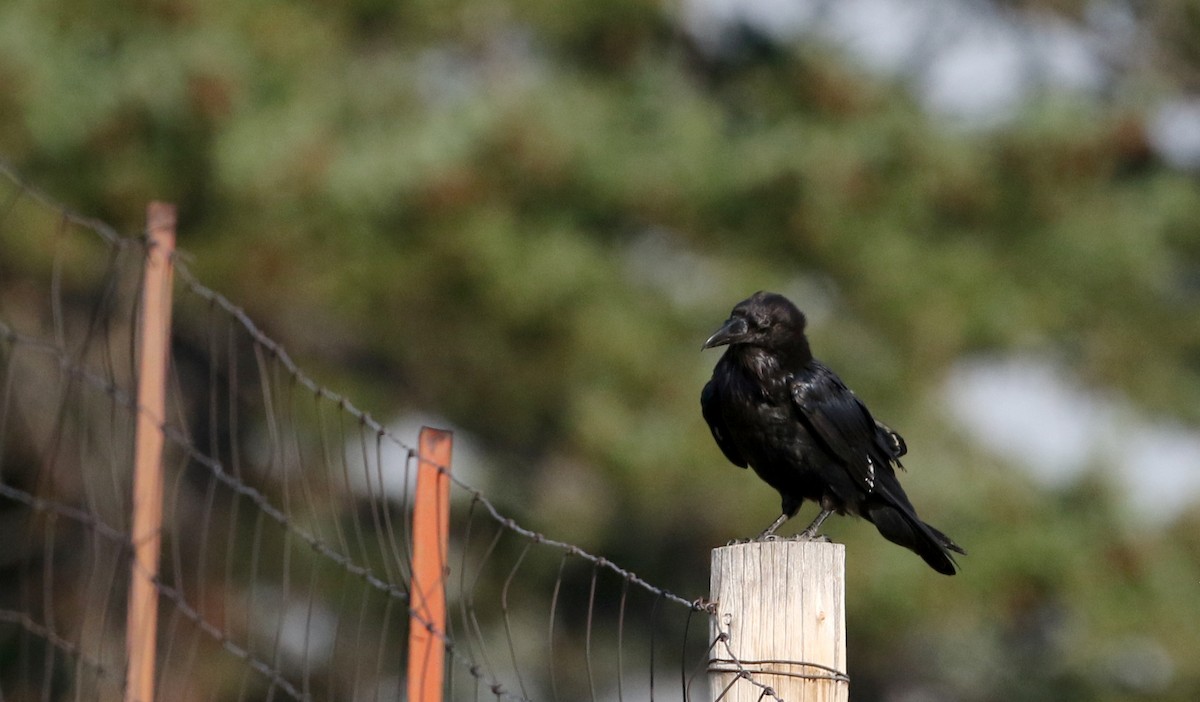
142	623
431	526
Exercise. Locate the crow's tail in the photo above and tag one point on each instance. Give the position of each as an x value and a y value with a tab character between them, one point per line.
907	530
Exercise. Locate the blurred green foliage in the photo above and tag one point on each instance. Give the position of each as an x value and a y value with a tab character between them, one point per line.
525	217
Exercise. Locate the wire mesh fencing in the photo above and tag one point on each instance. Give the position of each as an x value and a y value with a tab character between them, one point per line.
286	544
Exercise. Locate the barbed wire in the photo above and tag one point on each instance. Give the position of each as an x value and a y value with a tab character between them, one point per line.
255	496
384	433
59	642
23	189
257	512
123	540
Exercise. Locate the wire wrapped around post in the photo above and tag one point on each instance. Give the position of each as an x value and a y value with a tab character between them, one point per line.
779	622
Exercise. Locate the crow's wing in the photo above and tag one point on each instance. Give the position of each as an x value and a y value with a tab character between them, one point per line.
893	441
710	408
842	424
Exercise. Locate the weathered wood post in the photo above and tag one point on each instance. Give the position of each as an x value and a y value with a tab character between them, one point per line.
779	622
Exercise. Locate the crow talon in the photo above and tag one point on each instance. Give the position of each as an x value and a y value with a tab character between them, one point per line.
819	538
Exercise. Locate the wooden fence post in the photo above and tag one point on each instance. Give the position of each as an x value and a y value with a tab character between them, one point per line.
431	527
780	618
141	632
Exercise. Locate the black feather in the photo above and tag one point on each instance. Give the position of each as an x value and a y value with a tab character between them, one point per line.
773	407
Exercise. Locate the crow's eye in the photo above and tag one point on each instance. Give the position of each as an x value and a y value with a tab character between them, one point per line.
758	323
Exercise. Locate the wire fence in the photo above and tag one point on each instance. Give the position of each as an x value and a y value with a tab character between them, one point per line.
286	545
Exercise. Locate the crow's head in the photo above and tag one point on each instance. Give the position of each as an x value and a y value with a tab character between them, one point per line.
764	320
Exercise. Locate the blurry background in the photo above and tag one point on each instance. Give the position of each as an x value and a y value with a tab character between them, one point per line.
521	219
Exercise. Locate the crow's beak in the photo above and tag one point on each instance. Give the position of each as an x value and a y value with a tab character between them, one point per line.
732	331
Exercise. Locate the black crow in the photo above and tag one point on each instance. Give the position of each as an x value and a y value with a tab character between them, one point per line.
773	407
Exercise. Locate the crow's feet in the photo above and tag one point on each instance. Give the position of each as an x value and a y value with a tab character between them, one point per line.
805	536
756	540
772	538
